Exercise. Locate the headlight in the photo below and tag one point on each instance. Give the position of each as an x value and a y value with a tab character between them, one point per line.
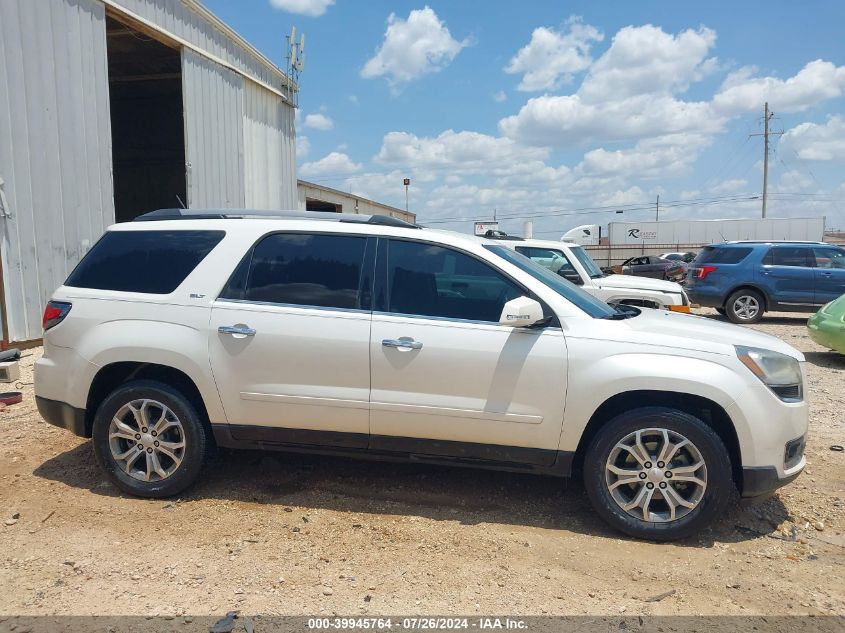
779	372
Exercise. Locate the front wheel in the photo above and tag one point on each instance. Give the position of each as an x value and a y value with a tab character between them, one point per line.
745	306
149	439
658	473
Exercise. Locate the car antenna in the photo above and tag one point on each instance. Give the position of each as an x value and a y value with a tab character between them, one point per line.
180	201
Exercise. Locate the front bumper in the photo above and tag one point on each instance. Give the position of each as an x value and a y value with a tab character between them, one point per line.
63	415
760	483
827	331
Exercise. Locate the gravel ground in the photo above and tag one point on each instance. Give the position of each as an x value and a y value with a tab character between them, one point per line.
279	534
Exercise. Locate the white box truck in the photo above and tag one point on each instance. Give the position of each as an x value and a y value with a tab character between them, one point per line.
700	232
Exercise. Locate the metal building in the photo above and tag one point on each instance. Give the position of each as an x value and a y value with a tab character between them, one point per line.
314	197
110	108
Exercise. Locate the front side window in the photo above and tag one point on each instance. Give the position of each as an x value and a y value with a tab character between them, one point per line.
430	280
788	256
592	268
552	259
301	269
829	257
152	262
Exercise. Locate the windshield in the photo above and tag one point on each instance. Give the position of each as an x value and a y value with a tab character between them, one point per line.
569	291
587	262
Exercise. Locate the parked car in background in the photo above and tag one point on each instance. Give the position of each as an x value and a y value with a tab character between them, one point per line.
572	262
827	326
367	336
652	266
743	280
678	257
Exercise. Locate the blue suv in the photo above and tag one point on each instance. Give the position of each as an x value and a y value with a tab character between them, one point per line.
742	280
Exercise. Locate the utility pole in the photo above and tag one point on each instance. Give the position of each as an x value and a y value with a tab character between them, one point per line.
767	116
657	209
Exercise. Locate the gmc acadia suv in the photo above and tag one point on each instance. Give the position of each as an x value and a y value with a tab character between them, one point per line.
368	336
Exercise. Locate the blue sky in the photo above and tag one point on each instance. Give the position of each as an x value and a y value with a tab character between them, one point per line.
566	112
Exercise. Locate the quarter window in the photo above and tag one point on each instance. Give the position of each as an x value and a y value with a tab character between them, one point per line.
430	280
301	269
152	262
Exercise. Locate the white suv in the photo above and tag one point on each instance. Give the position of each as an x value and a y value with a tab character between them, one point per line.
574	264
371	337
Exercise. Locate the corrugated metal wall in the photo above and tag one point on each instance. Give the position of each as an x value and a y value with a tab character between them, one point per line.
55	148
214	133
269	150
180	19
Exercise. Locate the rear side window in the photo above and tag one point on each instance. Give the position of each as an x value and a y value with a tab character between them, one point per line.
788	256
302	269
716	255
153	262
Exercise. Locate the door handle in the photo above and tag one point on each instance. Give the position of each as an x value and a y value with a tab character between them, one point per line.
242	330
401	343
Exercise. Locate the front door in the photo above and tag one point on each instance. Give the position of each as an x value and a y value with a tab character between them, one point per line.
830	273
447	380
289	341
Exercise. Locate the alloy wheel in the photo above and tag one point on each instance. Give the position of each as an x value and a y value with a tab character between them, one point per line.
656	475
746	307
147	440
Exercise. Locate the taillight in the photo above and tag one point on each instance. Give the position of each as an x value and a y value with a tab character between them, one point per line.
701	273
54	313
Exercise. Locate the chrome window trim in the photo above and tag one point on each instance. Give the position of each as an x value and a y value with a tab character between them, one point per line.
273	304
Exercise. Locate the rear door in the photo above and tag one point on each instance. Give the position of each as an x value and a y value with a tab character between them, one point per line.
289	340
447	379
829	273
787	272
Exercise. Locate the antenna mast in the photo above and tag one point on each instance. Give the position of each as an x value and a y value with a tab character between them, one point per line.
295	57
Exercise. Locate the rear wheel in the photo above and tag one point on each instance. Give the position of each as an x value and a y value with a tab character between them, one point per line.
658	473
150	439
745	306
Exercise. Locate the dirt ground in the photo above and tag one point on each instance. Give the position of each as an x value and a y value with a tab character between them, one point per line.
279	534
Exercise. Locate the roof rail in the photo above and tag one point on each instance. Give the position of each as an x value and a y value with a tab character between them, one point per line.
233	214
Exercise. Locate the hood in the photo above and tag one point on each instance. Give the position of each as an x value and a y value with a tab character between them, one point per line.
630	282
687	331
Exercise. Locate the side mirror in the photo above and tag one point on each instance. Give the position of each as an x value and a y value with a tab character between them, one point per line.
521	312
571	276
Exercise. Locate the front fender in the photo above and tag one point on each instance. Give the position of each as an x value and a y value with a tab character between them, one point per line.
593	382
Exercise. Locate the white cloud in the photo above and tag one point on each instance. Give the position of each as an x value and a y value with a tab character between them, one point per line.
562	120
319	121
551	57
647	60
817	81
335	163
457	151
413	47
303	146
812	141
500	96
729	186
649	158
311	8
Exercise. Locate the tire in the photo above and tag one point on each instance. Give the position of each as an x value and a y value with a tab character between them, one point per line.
189	430
721	311
740	306
708	502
